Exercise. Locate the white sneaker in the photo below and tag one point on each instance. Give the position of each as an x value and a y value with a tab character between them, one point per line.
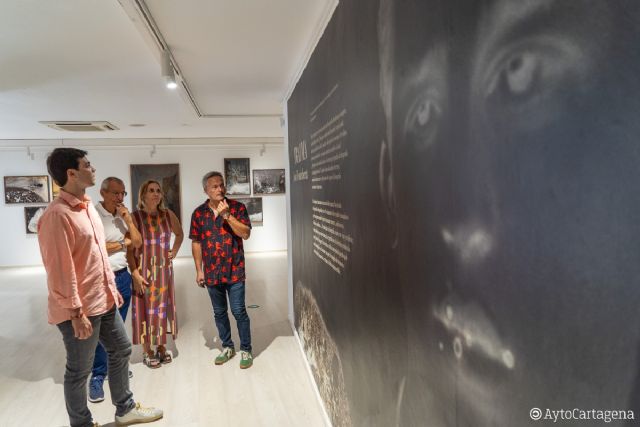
138	415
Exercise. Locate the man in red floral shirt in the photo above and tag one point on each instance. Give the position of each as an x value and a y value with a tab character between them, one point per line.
218	227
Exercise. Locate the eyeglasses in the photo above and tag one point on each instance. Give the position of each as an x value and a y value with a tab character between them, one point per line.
119	193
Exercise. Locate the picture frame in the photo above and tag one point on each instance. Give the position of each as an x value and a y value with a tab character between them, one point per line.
55	190
168	175
25	189
237	176
32	215
269	181
254	209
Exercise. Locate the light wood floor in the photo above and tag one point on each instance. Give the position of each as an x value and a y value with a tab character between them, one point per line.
276	391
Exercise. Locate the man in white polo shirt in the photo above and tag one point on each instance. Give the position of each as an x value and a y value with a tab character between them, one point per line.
120	233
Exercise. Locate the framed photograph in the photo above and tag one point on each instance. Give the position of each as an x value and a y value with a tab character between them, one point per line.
236	176
268	181
26	189
168	175
32	215
55	190
254	207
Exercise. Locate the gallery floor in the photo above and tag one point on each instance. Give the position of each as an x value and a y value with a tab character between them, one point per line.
192	391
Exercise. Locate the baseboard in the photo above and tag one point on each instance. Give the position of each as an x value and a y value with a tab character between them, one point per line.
327	420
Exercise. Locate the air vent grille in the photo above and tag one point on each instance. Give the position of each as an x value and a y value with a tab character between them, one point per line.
69	126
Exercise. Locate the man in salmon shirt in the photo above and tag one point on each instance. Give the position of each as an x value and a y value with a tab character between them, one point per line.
83	298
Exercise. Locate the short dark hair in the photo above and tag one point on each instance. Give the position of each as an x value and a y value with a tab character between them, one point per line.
62	159
208	175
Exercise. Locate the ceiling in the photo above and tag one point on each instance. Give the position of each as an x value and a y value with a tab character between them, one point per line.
94	60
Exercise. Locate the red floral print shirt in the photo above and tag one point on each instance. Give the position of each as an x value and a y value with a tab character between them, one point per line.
222	250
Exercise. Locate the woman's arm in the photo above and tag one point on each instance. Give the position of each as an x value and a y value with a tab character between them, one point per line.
177	230
139	281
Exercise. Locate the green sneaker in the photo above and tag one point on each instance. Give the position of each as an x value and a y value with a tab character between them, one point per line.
246	359
227	353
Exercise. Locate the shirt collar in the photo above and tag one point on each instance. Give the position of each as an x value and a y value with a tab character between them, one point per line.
73	201
102	211
205	205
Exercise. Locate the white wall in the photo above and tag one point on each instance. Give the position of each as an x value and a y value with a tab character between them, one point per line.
114	158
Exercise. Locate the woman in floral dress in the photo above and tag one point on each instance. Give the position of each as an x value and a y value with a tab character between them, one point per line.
154	308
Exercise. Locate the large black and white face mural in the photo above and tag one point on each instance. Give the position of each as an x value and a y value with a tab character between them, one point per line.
510	169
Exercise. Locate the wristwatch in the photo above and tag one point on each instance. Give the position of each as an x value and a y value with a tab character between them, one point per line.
226	215
123	245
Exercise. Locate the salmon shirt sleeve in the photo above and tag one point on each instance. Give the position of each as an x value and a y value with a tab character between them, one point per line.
56	248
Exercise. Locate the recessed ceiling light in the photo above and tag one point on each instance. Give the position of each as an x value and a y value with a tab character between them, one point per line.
137	125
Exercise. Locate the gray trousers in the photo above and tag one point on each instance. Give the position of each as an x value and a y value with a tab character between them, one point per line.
109	329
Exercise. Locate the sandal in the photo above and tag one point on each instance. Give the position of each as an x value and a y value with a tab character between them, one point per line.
151	361
164	357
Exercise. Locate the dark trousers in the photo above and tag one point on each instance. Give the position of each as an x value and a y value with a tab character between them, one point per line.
123	283
218	295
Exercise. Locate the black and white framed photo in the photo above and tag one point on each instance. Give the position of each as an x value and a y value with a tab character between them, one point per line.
32	215
268	181
236	176
254	208
26	189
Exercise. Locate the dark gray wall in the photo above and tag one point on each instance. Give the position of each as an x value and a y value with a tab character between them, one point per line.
474	251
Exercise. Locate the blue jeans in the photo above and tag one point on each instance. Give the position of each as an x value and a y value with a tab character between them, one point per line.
109	329
218	295
123	283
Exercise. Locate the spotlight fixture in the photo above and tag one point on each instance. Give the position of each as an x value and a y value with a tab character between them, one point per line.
167	70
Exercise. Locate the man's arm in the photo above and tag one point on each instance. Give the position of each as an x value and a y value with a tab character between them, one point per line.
113	247
56	238
131	239
134	233
55	235
196	251
196	247
239	229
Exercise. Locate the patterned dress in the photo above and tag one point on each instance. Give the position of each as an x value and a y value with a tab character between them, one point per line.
154	313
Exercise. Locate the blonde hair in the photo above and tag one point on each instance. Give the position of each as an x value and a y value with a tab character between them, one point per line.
143	191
